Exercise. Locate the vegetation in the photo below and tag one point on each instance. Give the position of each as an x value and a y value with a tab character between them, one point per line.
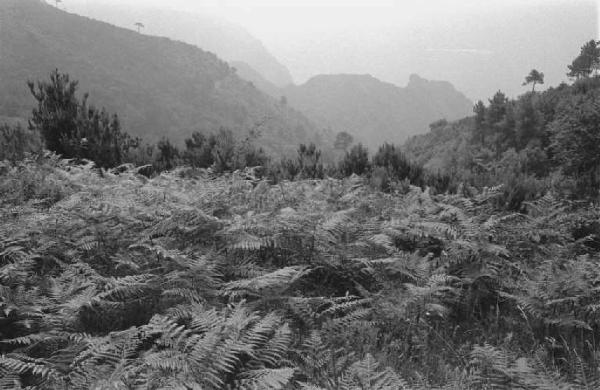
355	161
188	280
139	26
343	141
534	77
130	265
588	61
541	141
74	129
374	111
185	89
16	143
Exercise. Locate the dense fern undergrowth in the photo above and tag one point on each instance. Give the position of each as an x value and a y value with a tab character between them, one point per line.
187	280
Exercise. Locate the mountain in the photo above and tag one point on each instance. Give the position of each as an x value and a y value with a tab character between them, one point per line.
479	46
540	141
374	111
246	72
159	87
227	40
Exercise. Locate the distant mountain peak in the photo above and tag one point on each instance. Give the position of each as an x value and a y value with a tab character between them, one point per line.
229	41
415	79
375	111
158	86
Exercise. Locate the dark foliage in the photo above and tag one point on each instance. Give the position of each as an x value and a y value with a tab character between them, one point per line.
306	165
223	151
587	62
16	142
355	161
397	165
199	150
74	129
167	157
538	142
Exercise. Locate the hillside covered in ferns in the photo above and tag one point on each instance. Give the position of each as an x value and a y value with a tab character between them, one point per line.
187	280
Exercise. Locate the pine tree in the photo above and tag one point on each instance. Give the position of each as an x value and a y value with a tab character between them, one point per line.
534	77
587	62
74	129
57	112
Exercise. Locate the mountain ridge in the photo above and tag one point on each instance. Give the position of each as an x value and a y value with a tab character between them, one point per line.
158	86
227	40
375	111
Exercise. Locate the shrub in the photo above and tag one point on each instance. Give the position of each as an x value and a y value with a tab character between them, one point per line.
16	142
398	165
199	150
309	162
74	129
223	151
167	156
356	161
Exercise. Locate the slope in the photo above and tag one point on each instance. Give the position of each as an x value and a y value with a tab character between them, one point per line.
246	72
227	40
375	111
158	86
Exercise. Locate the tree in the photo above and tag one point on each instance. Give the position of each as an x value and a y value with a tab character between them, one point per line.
576	139
198	150
247	154
99	138
587	62
498	117
528	122
356	161
397	165
224	151
496	110
74	129
168	155
56	115
479	131
534	77
16	142
343	140
139	26
309	162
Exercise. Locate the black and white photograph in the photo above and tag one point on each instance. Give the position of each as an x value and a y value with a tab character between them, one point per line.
299	194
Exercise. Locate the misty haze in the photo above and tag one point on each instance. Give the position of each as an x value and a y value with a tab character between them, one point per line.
302	195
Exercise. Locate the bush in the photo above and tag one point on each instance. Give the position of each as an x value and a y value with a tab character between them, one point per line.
74	129
167	157
398	166
223	152
32	180
199	150
16	142
520	189
308	163
356	161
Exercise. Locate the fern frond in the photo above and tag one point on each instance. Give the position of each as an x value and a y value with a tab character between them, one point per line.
268	379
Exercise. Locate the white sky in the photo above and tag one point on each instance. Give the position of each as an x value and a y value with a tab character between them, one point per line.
393	38
294	16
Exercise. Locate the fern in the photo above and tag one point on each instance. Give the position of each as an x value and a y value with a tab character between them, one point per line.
194	280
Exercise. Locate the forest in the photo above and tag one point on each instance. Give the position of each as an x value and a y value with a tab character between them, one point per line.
468	258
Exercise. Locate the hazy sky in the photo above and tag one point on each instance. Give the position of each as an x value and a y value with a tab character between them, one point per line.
390	39
282	17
